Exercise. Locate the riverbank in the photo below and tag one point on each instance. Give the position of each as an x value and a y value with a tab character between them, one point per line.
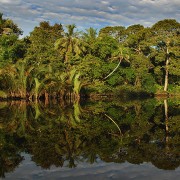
114	93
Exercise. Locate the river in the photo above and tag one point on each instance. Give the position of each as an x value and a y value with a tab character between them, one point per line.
112	139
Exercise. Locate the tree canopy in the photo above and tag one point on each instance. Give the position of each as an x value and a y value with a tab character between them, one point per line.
57	61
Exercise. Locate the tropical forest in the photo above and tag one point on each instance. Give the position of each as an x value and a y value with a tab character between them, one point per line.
79	101
62	62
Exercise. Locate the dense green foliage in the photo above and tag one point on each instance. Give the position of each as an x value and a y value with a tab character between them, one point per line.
53	62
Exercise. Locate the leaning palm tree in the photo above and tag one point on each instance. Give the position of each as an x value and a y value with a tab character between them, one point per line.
120	55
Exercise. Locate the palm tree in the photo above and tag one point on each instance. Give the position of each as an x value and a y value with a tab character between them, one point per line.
90	34
89	37
120	55
69	45
42	79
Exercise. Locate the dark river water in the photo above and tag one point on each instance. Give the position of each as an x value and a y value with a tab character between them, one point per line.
138	139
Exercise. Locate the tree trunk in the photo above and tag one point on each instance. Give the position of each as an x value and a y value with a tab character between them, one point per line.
114	69
166	123
46	95
37	85
138	81
166	71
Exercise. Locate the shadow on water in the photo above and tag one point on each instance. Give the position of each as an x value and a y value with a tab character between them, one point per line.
113	131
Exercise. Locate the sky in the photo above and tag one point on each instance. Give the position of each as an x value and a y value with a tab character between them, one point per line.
89	13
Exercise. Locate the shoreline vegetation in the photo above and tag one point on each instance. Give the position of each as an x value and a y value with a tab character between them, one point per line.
56	62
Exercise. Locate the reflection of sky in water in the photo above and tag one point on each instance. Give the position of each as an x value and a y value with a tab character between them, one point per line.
100	170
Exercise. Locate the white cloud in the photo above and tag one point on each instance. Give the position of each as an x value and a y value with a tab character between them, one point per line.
89	13
105	2
6	1
10	1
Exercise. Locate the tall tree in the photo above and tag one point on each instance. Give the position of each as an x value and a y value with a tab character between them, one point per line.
138	43
166	43
7	26
117	32
42	39
69	46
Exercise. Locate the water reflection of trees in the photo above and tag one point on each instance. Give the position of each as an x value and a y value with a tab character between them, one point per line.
11	141
65	134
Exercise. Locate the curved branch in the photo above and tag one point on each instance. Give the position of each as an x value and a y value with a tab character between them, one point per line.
114	123
114	69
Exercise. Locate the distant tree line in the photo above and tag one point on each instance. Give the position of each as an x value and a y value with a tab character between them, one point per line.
57	61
